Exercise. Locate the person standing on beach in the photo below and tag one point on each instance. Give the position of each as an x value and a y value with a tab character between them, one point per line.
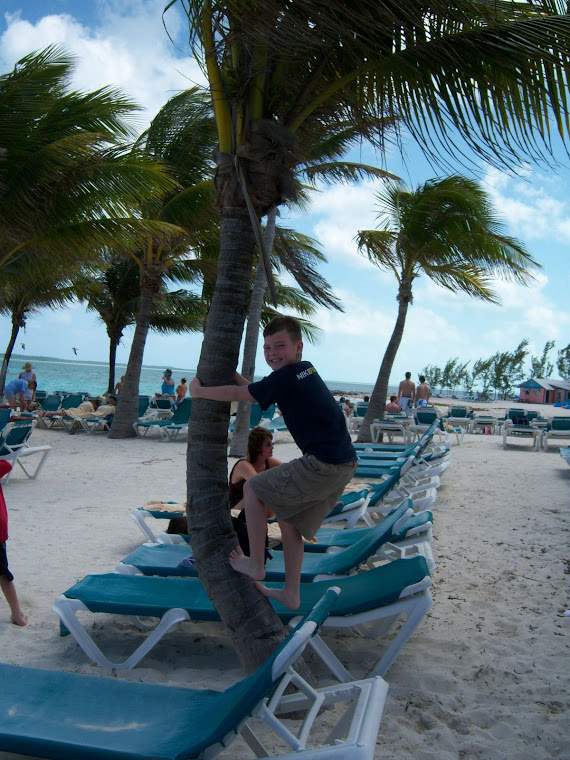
6	578
119	386
28	375
406	394
423	392
302	492
181	391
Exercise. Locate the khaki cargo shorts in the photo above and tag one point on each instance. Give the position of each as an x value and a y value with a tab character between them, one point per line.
302	492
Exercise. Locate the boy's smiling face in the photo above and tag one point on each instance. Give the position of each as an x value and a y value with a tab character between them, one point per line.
280	351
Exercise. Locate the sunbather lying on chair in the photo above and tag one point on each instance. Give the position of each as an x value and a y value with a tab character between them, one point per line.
92	408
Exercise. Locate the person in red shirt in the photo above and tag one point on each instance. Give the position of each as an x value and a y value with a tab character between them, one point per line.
6	577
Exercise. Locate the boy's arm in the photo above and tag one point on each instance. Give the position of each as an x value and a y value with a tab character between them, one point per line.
241	380
220	392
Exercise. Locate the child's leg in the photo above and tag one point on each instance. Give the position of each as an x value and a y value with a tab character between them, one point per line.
9	591
256	520
293	556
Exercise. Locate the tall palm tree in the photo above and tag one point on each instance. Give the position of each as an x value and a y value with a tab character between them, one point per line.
182	136
447	230
68	185
114	293
27	288
492	76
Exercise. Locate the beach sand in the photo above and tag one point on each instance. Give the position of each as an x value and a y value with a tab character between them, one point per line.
485	676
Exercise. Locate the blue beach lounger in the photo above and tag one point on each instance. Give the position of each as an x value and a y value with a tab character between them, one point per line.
14	447
65	716
419	527
176	422
350	508
166	559
370	603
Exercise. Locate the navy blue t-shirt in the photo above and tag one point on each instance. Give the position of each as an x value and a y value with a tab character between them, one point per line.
313	417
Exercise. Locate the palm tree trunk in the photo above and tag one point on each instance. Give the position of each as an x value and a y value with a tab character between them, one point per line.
113	343
241	428
377	405
128	406
247	615
17	322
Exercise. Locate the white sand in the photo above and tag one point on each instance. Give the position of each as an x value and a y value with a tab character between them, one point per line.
485	676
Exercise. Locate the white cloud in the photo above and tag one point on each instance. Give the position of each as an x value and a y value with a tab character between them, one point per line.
360	319
533	211
129	49
341	211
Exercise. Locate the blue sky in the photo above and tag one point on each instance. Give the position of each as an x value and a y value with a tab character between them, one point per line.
123	43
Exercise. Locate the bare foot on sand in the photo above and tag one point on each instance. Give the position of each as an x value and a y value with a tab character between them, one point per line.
18	619
243	564
286	598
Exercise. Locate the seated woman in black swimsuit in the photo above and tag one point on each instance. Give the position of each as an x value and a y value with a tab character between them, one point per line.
259	457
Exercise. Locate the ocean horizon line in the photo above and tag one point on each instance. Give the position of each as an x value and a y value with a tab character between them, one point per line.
86	382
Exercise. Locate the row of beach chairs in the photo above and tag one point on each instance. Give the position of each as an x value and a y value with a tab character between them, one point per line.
170	427
517	423
65	715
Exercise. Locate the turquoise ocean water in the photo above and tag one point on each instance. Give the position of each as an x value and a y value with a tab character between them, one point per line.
91	377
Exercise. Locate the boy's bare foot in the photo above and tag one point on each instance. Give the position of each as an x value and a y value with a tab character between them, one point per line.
243	564
18	619
286	598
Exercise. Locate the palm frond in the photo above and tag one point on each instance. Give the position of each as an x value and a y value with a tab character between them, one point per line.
344	171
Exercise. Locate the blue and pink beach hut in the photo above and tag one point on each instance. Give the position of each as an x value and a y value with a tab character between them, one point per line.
539	390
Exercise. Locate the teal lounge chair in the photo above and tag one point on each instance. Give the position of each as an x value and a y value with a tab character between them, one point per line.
256	414
65	716
5	415
429	448
510	415
418	527
558	427
276	425
49	404
389	492
522	431
93	424
144	402
71	401
414	467
370	603
180	417
178	424
349	509
14	447
371	465
165	559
